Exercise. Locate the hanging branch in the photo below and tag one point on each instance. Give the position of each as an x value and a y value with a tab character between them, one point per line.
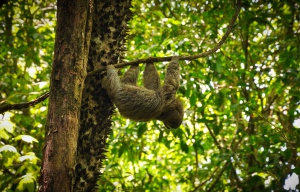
6	106
188	58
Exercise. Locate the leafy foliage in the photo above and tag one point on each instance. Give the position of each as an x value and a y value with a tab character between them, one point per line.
241	103
241	126
26	48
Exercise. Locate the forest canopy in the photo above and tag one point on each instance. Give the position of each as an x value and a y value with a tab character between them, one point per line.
241	123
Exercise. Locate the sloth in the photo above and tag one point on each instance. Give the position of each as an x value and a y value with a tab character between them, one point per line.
151	102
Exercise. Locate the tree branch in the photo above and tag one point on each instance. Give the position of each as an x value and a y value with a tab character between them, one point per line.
205	181
6	106
218	176
188	58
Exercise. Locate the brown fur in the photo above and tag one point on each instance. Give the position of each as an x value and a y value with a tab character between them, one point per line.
152	101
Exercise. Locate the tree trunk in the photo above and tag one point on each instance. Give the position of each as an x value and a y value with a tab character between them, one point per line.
72	155
107	43
66	85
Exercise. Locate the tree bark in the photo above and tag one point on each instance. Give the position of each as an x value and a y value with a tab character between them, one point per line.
66	85
107	42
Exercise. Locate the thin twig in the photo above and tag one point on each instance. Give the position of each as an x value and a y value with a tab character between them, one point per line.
188	58
7	106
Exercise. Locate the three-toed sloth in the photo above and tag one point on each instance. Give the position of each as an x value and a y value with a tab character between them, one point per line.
152	101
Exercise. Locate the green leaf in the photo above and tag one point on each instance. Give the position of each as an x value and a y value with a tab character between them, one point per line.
142	129
297	170
8	148
184	147
193	99
26	138
27	183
